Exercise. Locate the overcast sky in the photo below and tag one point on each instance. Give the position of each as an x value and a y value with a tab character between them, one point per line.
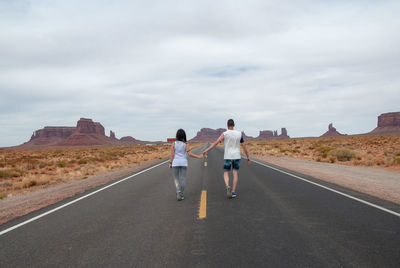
147	68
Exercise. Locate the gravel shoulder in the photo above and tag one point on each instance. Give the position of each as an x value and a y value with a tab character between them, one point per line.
383	184
19	205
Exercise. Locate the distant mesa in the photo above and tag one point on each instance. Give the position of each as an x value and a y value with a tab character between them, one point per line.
211	135
129	139
86	133
388	123
332	132
271	135
208	135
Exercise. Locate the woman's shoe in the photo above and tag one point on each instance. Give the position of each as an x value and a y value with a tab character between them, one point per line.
178	196
182	197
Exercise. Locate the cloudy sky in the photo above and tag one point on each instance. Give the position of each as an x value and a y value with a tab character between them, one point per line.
147	68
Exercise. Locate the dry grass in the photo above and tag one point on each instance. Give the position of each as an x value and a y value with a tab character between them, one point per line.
26	170
371	151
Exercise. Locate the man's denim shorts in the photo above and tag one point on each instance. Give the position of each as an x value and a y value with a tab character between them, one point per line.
231	163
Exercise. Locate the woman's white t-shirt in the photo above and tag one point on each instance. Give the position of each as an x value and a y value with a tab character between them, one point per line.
180	157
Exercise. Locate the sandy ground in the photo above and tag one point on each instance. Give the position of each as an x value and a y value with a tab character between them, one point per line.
384	184
19	205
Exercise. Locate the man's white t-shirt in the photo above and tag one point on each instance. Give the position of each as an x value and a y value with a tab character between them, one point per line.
232	140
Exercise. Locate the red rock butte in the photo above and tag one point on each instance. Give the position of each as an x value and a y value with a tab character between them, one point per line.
86	133
208	135
332	132
270	135
388	123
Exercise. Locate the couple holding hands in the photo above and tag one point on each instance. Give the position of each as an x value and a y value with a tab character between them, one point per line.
232	139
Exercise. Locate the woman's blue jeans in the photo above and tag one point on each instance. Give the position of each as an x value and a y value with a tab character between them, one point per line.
179	174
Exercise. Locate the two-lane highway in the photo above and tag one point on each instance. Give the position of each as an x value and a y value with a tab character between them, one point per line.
277	220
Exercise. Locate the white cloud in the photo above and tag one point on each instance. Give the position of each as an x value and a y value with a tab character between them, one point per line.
145	68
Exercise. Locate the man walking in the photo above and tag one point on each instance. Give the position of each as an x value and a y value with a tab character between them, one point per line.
232	140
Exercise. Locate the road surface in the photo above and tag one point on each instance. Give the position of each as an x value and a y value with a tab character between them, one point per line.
277	220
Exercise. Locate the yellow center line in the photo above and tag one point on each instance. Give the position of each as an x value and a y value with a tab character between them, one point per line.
203	205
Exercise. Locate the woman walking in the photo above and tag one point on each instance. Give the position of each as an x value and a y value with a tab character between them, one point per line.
178	162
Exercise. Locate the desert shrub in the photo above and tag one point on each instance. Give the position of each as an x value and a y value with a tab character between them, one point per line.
283	150
11	173
324	150
30	183
379	161
42	165
5	174
332	159
61	164
3	195
343	154
396	161
82	162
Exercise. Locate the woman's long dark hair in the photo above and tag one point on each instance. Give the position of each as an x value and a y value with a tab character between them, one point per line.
181	135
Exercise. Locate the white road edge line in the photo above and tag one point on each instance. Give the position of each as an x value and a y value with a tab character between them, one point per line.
332	190
78	199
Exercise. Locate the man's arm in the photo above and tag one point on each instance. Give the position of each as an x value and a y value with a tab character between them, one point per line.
220	139
246	152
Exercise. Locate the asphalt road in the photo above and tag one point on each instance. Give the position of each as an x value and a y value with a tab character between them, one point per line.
277	220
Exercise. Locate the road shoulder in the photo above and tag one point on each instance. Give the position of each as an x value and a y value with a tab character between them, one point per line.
380	184
20	205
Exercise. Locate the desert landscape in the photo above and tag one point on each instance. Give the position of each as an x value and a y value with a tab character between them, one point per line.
368	151
55	155
23	171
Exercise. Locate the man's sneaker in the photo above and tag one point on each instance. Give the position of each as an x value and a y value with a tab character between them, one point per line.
178	196
233	194
228	192
182	197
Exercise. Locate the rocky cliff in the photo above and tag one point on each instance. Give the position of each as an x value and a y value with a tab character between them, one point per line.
332	132
270	135
112	135
208	135
86	133
128	140
265	134
388	123
51	135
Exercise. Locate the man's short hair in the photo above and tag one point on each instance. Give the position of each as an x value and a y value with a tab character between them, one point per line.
231	123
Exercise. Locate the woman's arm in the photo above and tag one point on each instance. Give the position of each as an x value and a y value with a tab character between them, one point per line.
172	154
192	154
